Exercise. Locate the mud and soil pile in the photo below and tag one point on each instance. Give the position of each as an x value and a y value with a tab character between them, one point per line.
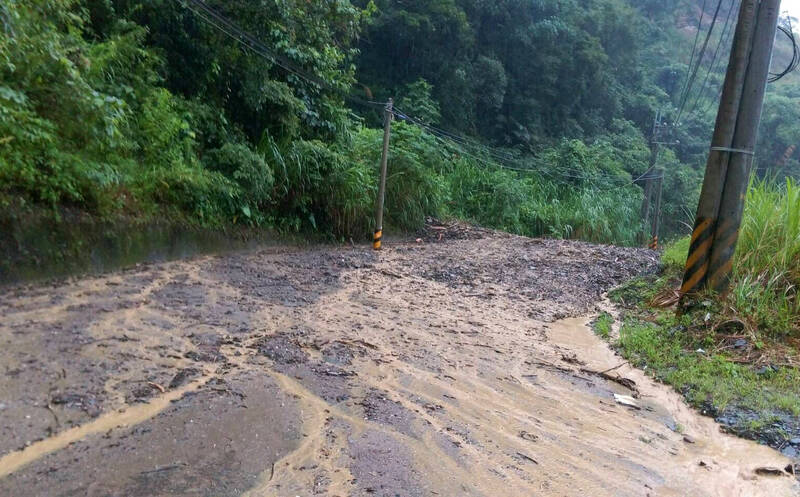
437	367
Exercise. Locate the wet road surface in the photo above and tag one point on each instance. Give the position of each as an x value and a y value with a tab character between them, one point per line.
453	367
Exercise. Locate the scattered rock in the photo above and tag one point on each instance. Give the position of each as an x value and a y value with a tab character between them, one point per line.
86	402
627	401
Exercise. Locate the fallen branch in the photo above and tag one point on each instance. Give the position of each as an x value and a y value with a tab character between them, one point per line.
620	380
157	387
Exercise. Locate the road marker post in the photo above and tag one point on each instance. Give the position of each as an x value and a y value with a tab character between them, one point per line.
388	116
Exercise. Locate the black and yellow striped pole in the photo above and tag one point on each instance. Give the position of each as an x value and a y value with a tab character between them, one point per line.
387	129
731	208
719	213
717	165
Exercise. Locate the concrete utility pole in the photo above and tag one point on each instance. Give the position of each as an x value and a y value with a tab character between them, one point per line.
744	143
388	115
721	203
648	185
655	225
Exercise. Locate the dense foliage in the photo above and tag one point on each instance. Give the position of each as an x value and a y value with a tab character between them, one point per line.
145	110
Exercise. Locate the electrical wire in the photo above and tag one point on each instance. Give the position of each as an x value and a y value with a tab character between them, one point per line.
233	31
502	162
459	138
722	41
789	32
694	47
700	57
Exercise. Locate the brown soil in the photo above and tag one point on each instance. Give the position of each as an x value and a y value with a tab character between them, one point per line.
453	366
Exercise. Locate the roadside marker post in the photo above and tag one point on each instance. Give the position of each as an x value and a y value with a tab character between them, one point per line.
388	116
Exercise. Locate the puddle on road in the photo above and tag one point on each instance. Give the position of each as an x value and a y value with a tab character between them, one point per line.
721	464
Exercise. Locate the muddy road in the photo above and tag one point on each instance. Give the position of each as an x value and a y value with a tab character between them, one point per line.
453	367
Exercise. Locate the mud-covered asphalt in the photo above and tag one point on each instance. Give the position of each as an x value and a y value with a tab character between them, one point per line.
439	367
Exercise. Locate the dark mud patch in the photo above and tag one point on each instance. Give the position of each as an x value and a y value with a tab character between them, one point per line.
182	296
288	279
86	402
283	349
383	467
213	443
287	352
555	278
379	408
207	346
341	353
46	363
183	376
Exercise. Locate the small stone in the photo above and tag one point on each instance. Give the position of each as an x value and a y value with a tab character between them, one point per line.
688	439
766	370
740	343
794	441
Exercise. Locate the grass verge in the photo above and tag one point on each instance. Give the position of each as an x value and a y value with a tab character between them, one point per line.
723	369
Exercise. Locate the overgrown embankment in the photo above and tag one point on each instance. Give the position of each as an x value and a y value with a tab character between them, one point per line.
734	357
129	114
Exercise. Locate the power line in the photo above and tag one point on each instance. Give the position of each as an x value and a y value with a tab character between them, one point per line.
235	32
722	41
690	83
502	162
789	32
694	47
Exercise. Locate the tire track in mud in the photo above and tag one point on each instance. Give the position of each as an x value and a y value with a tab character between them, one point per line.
427	369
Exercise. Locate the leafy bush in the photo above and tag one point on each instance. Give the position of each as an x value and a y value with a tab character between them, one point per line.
206	197
249	170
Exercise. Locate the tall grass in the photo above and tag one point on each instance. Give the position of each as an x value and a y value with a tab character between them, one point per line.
767	263
766	269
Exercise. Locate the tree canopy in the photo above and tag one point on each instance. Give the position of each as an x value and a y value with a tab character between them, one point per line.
125	107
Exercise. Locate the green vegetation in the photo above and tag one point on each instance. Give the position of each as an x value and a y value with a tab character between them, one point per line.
706	376
737	375
602	325
122	109
143	111
732	356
